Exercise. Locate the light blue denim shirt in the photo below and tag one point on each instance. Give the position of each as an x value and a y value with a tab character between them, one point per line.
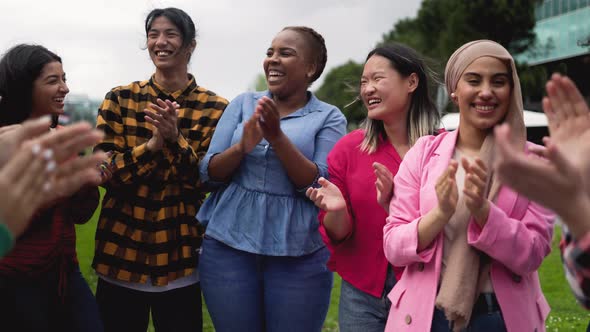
260	210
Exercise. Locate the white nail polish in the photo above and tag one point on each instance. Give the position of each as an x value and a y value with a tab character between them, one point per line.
50	166
36	148
48	154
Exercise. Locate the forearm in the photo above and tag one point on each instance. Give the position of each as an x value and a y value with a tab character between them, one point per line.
301	171
224	164
430	226
82	205
576	215
185	157
338	225
135	163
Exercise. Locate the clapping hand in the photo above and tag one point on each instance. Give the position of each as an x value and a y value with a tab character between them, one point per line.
384	185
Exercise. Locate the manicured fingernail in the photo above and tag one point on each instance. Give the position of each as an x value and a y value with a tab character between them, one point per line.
36	148
48	154
50	166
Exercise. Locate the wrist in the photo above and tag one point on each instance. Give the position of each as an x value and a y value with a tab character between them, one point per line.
575	215
174	137
239	148
277	139
152	145
443	215
481	215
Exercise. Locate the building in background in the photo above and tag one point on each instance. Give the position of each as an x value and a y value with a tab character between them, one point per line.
563	42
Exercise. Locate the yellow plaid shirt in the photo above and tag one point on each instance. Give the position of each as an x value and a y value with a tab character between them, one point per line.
147	225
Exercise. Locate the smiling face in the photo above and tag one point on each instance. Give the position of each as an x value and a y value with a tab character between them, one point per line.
288	66
49	91
483	93
385	93
164	43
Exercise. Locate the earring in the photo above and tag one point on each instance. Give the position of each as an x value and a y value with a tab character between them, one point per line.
453	95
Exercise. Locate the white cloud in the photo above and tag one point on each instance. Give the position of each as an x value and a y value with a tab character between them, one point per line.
101	42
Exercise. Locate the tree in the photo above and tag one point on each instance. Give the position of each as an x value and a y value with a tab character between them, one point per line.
341	88
259	83
438	29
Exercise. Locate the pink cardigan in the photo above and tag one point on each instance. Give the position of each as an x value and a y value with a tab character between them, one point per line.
359	259
517	236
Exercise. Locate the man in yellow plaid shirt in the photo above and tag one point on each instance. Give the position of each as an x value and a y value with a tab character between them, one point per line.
147	240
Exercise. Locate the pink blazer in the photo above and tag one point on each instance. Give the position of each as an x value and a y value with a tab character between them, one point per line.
517	236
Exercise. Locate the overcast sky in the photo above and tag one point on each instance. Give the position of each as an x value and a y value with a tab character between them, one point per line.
102	42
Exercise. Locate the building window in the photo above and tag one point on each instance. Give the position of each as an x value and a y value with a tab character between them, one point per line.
564	6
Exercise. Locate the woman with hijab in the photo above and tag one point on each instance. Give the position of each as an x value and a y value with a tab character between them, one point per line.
470	245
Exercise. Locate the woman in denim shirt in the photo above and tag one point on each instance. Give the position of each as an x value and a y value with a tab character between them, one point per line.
263	265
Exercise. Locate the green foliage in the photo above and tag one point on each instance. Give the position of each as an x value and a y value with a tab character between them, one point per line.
341	88
442	26
532	81
259	83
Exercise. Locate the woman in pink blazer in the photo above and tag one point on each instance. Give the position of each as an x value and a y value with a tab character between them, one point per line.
470	245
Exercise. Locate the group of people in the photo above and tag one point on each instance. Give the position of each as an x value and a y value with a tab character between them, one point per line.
429	229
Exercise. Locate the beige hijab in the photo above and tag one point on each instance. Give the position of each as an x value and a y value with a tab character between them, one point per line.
459	284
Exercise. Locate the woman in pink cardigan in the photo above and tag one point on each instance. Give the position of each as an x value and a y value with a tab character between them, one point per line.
470	245
354	203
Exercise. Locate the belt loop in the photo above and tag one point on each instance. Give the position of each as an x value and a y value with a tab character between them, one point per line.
489	301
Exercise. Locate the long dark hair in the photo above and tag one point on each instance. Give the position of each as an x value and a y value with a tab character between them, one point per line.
19	68
423	116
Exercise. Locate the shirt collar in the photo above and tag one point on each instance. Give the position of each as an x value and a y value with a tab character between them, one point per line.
313	104
177	95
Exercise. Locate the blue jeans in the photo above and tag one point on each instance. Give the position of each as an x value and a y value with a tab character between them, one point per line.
484	322
30	304
250	292
362	312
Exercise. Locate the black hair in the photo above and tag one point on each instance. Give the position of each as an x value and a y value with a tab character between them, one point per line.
423	116
20	66
179	18
317	46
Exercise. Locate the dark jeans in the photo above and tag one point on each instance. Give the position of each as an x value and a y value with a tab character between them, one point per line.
247	292
35	305
362	312
481	320
128	310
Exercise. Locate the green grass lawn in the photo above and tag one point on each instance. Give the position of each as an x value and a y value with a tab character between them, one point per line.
566	314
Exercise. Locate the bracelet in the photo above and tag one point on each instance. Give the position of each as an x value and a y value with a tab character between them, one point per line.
6	239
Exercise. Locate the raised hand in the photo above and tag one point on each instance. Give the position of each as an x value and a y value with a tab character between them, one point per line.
569	121
270	119
252	133
476	175
565	171
164	116
551	182
446	190
384	185
11	137
328	197
562	103
105	168
47	168
72	172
